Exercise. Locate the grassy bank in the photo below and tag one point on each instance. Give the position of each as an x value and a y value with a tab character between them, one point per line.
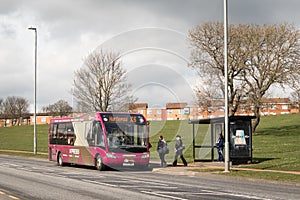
276	143
20	138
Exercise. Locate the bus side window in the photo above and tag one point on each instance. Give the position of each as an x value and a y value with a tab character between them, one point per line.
101	138
70	134
88	133
53	134
98	134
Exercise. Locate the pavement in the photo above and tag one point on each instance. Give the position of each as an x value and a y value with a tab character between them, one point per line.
191	169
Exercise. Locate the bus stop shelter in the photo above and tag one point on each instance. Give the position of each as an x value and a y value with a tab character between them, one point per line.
239	137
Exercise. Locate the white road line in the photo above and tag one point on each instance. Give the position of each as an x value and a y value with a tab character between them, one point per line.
99	183
146	182
150	183
235	195
13	197
148	186
162	195
25	169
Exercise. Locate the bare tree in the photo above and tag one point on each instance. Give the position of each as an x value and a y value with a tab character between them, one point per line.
206	93
258	57
100	85
207	43
295	95
14	108
1	106
273	54
60	108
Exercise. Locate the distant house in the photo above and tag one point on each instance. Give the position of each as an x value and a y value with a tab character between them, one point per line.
177	111
183	111
40	119
158	114
26	119
276	106
196	113
140	108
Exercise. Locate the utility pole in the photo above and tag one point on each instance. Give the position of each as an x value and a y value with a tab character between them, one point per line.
227	164
35	68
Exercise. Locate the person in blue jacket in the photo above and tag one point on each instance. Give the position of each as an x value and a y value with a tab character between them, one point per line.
220	146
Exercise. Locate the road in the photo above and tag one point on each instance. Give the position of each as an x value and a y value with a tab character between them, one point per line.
26	178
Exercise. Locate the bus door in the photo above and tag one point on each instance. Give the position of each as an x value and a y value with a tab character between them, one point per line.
91	139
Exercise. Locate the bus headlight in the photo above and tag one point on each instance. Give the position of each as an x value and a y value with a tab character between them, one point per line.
146	155
110	155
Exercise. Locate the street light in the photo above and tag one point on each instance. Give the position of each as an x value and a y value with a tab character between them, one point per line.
35	67
227	164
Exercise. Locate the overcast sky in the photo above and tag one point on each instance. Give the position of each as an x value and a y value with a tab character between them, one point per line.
149	34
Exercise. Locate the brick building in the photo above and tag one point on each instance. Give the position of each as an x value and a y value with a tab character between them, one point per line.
178	111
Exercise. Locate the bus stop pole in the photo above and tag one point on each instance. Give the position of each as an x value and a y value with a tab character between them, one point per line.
227	164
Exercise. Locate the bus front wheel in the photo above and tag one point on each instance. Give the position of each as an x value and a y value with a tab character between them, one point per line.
60	160
99	164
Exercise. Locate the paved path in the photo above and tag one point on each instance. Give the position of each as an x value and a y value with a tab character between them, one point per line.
217	165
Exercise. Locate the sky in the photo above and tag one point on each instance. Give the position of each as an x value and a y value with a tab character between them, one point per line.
151	37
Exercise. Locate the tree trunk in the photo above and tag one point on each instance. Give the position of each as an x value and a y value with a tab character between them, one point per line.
256	120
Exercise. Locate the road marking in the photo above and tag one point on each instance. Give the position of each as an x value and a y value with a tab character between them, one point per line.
13	197
235	195
146	182
99	183
25	169
162	195
10	196
148	186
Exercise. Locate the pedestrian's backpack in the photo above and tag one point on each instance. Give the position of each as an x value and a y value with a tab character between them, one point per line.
166	148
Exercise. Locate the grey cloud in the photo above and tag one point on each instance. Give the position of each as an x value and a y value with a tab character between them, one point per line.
159	81
7	31
263	12
69	30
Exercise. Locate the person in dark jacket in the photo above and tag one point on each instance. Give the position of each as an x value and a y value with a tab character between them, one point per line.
220	146
161	146
179	151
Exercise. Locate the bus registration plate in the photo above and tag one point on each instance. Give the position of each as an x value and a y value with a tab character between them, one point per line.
128	162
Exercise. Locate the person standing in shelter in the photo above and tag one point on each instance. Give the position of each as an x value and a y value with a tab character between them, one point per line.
220	146
179	151
161	146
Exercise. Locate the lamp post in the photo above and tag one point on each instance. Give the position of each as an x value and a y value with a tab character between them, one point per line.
35	67
227	164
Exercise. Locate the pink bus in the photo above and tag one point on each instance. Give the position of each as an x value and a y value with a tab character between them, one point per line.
100	139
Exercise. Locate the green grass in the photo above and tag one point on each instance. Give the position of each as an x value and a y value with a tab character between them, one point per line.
21	138
274	176
275	143
169	129
266	175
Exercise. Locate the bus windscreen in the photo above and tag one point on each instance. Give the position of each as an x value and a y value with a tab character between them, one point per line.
125	133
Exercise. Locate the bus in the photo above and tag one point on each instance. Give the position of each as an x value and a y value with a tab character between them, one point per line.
101	139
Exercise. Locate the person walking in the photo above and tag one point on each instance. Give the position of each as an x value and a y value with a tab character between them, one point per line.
161	149
220	146
179	151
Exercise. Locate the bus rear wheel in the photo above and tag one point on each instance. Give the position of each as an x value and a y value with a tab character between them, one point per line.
99	164
60	160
